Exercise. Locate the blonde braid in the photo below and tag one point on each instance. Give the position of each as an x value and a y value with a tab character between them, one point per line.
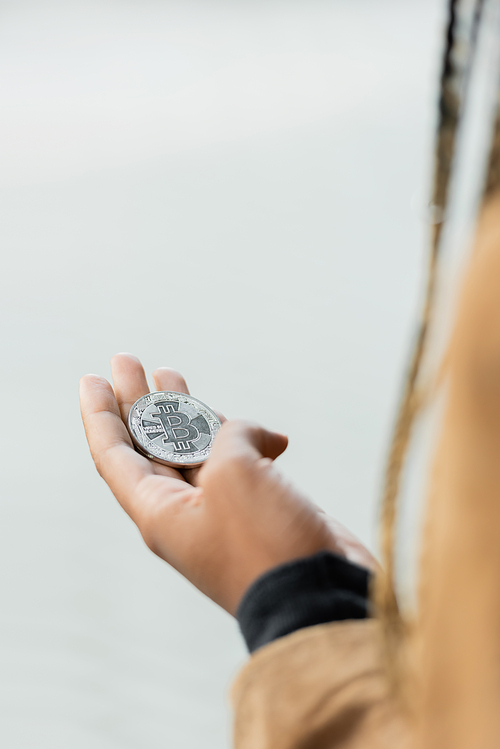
454	76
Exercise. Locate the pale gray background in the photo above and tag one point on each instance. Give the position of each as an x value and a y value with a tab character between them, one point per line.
220	187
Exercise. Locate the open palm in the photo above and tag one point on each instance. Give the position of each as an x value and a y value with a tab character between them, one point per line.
221	525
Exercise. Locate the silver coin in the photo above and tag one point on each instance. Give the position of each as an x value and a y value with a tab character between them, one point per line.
173	428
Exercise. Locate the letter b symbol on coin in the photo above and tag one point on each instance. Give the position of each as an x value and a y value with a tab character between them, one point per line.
177	427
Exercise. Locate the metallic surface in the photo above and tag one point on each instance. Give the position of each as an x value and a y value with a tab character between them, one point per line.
172	428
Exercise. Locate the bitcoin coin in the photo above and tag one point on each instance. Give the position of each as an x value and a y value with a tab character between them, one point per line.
173	428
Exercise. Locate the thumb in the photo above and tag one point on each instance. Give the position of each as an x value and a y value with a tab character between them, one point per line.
246	442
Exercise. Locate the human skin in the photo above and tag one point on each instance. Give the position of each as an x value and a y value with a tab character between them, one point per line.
221	525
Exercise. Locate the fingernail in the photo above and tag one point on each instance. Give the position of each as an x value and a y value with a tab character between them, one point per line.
127	354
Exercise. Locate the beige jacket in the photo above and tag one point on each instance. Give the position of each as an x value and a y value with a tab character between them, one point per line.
325	687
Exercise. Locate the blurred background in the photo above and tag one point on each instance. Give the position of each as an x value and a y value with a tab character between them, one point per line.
226	188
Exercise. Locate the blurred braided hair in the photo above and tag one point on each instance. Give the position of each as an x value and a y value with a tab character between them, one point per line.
464	17
492	181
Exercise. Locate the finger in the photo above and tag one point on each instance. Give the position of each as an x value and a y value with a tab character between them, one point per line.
130	384
247	442
110	445
129	381
168	379
241	461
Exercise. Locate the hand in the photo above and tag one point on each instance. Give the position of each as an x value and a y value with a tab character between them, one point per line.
221	525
